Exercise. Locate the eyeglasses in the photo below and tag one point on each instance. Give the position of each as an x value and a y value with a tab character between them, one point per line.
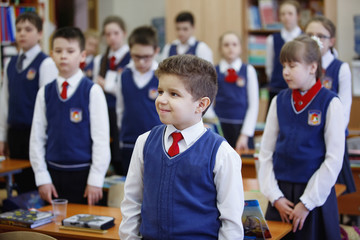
321	36
137	58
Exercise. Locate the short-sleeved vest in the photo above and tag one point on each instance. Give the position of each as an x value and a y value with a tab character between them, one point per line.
69	144
191	50
300	146
231	101
23	87
140	113
179	200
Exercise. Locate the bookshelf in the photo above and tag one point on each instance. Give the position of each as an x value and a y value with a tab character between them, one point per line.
260	19
9	10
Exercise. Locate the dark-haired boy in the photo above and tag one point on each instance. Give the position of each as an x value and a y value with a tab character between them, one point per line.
186	42
24	74
69	147
184	181
137	92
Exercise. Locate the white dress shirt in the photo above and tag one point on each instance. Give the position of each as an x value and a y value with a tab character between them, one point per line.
252	89
99	131
227	178
287	36
203	51
345	93
140	80
47	73
319	186
119	55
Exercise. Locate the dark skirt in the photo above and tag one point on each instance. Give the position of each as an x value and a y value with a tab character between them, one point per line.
345	175
232	132
321	223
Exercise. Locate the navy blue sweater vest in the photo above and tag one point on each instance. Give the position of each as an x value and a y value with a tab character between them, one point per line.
231	101
140	113
300	147
191	50
331	78
69	144
23	87
179	192
277	81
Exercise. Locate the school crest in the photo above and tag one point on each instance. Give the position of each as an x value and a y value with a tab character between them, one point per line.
75	115
30	75
314	117
327	82
240	81
153	93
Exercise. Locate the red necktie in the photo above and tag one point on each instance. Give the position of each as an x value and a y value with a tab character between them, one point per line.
64	90
112	63
232	76
174	149
82	65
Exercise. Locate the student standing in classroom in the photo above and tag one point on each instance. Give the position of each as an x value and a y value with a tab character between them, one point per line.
106	70
186	43
137	92
91	48
289	15
184	181
302	147
24	74
337	78
237	100
69	142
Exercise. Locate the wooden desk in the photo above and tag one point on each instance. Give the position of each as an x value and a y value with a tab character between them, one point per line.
8	167
53	230
350	203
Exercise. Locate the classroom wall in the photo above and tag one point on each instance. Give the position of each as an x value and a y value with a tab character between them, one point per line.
134	12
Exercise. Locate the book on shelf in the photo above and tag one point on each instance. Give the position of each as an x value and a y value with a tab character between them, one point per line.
29	218
89	221
254	223
112	180
254	17
268	14
257	49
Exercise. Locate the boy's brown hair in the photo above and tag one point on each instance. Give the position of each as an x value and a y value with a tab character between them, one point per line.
70	33
302	49
144	35
198	75
32	17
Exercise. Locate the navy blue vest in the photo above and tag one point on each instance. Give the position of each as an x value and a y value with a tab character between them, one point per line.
331	78
23	88
110	98
277	81
231	101
179	200
300	147
89	69
139	107
69	144
191	50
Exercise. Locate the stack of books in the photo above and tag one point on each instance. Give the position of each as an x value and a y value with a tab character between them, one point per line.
30	218
88	223
257	50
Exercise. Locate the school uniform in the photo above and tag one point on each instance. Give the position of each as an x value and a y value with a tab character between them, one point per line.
136	110
70	137
237	100
18	95
192	46
88	67
337	78
273	66
123	57
301	156
180	190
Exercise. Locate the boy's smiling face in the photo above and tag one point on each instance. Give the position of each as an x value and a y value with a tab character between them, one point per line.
175	105
27	35
67	56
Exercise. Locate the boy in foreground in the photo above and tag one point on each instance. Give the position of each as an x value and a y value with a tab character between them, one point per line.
184	181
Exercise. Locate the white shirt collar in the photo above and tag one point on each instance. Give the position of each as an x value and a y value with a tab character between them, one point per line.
224	65
32	52
120	53
288	36
327	59
190	134
73	81
190	42
153	67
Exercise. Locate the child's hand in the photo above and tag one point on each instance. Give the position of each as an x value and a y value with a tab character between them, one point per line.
298	216
93	194
101	82
284	206
242	143
46	192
